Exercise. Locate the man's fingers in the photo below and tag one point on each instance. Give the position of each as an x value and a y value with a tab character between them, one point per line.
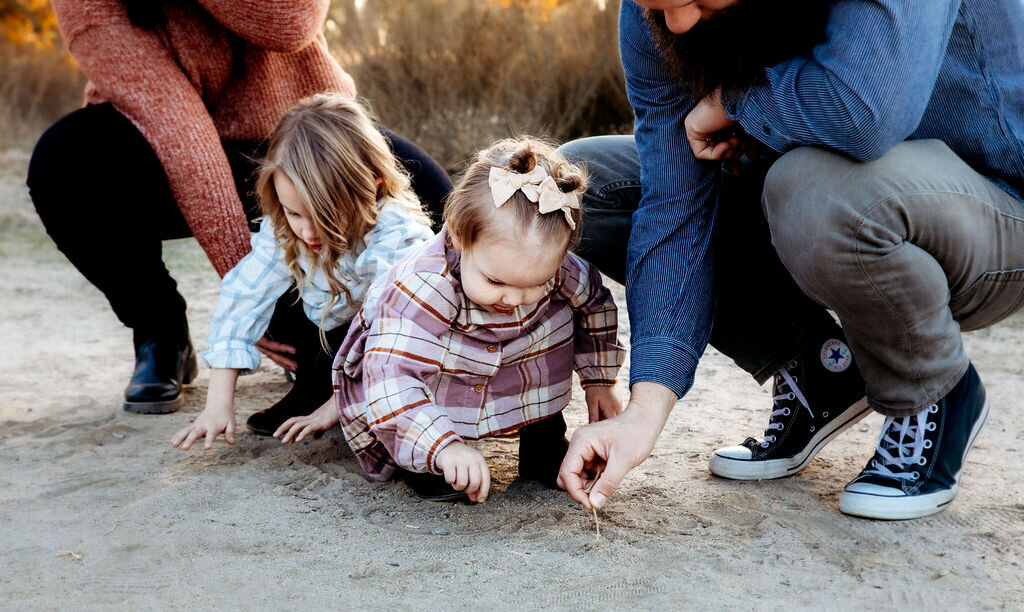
605	487
570	475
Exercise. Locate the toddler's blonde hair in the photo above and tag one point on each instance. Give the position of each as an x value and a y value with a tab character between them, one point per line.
470	209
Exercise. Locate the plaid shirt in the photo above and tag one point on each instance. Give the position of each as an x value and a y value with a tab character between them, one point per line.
251	289
423	366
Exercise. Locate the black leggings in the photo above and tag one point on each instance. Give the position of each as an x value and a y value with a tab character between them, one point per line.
104	198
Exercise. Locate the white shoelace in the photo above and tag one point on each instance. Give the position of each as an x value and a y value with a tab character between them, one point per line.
902	445
794	392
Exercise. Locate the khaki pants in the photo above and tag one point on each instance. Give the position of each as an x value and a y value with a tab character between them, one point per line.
908	251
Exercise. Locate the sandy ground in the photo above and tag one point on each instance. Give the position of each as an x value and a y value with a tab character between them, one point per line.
98	511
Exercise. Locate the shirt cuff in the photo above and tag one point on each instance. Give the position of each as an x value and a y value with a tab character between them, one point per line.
246	360
665	361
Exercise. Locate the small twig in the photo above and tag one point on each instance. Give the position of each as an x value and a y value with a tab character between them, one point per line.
69	553
586	489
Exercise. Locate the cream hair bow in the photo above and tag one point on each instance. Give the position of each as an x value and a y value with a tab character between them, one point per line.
538	186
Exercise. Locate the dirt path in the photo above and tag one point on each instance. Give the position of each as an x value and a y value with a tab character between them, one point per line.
98	511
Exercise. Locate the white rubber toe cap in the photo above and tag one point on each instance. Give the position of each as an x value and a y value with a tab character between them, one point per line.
740	453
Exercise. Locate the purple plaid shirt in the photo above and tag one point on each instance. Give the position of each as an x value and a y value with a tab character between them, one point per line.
423	366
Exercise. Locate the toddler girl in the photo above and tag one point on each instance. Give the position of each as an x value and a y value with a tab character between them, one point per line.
338	212
477	334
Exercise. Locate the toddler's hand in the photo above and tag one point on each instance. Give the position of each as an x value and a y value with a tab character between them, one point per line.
465	470
602	403
211	423
296	429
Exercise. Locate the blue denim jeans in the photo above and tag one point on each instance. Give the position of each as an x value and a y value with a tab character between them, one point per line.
762	320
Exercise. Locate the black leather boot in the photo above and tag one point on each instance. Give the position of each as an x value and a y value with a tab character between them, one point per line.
314	381
164	361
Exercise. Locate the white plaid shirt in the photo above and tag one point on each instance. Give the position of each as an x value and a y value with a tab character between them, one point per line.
251	289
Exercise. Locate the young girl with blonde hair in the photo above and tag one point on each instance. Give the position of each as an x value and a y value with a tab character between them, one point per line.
338	212
478	333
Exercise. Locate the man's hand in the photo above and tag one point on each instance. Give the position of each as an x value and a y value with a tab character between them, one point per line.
296	429
711	132
602	402
278	353
615	446
465	469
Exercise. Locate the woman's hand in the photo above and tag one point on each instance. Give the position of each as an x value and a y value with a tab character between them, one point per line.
465	470
296	429
602	402
278	353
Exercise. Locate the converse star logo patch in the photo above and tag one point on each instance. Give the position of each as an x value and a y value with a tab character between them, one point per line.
835	355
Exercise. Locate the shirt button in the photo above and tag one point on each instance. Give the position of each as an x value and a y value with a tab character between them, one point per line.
491	348
479	388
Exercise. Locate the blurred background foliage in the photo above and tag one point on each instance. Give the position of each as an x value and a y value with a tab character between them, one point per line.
452	75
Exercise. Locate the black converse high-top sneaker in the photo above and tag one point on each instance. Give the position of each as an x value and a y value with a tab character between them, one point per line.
815	398
916	468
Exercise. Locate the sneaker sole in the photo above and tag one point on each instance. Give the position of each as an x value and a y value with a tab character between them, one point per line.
750	469
897	508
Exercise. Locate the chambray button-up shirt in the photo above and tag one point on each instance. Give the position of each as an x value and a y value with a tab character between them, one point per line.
251	289
423	366
888	71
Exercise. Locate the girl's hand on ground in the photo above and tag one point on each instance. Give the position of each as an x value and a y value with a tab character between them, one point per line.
296	429
602	402
209	424
278	353
465	470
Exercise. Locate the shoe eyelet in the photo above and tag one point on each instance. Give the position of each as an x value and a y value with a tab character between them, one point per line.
931	426
790	395
824	415
921	460
933	408
765	444
812	428
793	364
927	443
915	475
795	379
785	412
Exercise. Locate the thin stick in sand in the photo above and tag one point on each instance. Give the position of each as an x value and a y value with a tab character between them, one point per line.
586	489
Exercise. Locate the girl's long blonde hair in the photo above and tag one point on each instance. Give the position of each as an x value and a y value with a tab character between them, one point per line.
340	165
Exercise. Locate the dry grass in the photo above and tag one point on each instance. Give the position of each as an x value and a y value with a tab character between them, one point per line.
37	88
455	75
452	75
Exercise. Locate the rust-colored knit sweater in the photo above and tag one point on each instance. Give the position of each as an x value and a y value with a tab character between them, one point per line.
218	69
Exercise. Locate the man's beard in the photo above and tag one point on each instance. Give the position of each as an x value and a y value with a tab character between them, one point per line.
731	49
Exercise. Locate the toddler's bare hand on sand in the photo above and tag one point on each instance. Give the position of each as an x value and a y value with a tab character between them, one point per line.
465	470
296	429
208	425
